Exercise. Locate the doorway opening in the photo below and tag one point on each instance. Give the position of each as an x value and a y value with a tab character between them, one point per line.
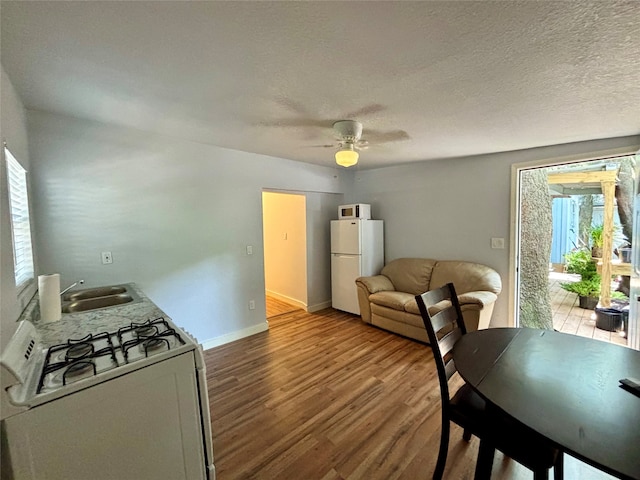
563	210
285	252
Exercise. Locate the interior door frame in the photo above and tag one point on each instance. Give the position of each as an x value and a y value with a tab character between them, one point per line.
514	249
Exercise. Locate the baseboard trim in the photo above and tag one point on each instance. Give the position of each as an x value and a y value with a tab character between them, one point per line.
233	336
292	301
319	306
289	300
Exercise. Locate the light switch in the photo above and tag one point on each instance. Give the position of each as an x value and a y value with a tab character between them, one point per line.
107	258
249	250
497	242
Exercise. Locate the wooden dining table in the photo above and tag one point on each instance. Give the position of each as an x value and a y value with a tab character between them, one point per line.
562	386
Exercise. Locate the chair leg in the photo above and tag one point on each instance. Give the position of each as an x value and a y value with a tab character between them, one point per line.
558	468
466	435
484	464
444	448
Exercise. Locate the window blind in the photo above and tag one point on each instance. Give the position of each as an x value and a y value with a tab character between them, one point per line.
20	224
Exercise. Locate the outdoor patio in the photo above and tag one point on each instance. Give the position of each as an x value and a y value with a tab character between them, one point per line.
568	317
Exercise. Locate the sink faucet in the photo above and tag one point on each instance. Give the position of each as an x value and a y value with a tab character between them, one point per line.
71	286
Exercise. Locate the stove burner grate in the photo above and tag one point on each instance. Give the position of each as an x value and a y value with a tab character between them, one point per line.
149	336
92	355
78	351
146	331
78	357
78	369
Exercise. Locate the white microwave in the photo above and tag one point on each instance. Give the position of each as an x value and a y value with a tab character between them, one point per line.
356	210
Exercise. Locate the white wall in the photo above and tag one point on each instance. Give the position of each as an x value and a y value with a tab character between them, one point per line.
450	209
285	246
321	209
176	215
13	130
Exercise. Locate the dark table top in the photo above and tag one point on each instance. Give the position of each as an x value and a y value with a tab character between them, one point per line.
563	386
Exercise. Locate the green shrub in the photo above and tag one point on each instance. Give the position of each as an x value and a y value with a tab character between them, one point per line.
596	235
579	261
584	288
619	296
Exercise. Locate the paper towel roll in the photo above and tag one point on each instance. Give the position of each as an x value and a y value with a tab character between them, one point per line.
49	295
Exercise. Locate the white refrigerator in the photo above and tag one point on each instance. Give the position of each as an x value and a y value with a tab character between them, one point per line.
357	250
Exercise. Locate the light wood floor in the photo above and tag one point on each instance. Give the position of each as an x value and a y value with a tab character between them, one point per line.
325	396
568	317
277	307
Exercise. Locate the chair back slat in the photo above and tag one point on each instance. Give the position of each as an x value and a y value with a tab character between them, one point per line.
435	296
446	343
444	329
450	368
444	319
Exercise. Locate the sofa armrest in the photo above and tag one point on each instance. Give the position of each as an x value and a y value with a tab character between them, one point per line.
376	283
477	308
480	298
367	286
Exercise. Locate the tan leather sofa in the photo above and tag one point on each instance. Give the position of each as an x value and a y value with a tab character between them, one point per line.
388	300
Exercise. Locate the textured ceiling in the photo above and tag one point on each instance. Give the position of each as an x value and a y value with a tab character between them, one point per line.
447	79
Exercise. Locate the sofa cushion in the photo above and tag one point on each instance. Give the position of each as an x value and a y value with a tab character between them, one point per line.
395	300
466	276
380	311
411	275
412	307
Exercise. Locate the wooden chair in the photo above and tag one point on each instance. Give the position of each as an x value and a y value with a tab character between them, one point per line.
466	408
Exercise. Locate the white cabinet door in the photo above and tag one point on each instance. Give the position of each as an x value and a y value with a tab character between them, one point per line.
344	271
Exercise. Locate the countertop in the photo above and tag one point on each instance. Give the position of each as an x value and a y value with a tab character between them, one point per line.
78	325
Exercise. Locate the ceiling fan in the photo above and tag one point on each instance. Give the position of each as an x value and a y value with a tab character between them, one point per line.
348	133
349	140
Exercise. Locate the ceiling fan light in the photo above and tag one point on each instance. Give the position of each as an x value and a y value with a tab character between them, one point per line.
347	156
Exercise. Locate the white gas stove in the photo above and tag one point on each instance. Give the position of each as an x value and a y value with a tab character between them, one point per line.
148	376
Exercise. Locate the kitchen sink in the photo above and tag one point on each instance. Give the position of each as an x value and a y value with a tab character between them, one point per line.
97	302
94	292
98	297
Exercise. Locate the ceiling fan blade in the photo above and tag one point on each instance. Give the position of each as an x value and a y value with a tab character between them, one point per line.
333	145
377	136
292	105
366	110
296	122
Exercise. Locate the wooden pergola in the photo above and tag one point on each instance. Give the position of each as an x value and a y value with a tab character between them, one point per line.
603	181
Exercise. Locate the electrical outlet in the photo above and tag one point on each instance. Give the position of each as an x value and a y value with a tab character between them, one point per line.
252	305
107	258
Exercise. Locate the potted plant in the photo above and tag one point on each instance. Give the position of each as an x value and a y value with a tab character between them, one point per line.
579	261
596	240
588	287
588	291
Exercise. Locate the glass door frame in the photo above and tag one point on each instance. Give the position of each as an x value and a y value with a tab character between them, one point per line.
514	253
